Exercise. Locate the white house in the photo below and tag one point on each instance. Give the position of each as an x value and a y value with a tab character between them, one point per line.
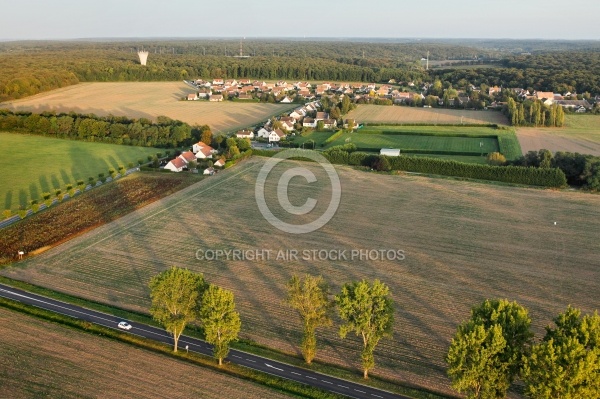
176	165
219	163
196	148
209	171
329	123
309	122
205	153
390	152
287	126
276	135
245	134
263	132
192	97
286	100
187	157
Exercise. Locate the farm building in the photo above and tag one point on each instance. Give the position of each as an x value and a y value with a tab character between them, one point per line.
390	152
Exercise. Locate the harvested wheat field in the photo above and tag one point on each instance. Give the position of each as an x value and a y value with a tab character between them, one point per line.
149	100
58	362
581	134
436	116
463	242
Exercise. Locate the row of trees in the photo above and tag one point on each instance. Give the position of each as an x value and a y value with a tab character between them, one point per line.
495	347
165	132
534	113
546	177
364	308
180	297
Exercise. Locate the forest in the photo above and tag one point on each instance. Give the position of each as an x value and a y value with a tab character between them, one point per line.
27	68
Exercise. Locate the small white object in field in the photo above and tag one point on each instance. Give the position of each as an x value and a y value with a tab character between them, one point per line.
555	223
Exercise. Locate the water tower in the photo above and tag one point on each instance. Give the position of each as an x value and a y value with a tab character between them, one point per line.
143	57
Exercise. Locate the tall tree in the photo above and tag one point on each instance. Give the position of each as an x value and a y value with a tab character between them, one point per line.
310	298
486	353
220	320
175	295
368	310
566	364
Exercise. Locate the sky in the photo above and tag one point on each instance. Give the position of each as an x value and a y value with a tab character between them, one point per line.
512	19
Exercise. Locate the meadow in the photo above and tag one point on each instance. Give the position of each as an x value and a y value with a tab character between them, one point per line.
410	115
59	362
581	133
149	100
32	165
463	242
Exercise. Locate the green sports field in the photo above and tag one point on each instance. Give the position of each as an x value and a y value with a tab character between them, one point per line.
31	165
461	143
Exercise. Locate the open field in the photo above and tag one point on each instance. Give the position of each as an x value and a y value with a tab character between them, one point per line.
149	100
366	113
58	362
581	133
463	242
32	165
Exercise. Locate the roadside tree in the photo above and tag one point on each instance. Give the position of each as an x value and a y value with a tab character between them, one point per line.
310	297
175	295
368	310
220	320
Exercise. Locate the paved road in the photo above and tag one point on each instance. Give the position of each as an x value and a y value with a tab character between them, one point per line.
279	369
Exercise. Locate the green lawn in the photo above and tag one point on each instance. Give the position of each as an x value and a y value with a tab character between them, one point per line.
419	142
32	165
442	141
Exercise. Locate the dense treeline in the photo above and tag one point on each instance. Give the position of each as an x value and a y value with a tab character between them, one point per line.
559	72
580	170
31	67
165	132
347	155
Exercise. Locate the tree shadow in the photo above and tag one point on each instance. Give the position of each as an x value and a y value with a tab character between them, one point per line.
44	183
23	197
8	200
33	191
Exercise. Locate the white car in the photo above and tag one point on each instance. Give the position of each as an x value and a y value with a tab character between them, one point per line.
124	325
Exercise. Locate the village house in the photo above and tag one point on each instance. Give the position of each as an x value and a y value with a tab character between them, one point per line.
188	156
263	132
215	97
202	150
219	163
217	82
276	135
309	122
245	134
176	165
192	97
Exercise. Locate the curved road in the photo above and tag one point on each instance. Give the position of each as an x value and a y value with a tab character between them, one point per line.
283	370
